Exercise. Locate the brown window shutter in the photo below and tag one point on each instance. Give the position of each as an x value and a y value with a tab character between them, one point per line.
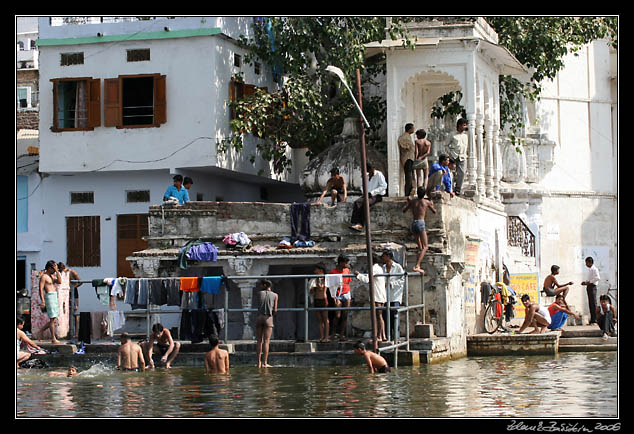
92	243
160	103
74	242
94	103
55	109
83	241
112	102
249	89
232	97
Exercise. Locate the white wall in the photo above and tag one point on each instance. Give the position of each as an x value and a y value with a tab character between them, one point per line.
198	71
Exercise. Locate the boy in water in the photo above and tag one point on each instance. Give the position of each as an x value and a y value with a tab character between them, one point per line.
72	372
217	359
375	362
165	345
130	355
419	209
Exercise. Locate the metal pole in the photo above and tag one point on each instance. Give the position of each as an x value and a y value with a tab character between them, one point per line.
306	310
366	209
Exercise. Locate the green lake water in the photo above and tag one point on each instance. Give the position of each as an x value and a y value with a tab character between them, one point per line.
576	385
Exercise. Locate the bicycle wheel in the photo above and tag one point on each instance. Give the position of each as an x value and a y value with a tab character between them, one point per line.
493	316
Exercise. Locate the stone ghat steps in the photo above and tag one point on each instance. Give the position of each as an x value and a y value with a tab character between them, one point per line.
586	339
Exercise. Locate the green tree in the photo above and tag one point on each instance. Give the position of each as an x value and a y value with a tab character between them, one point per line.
311	108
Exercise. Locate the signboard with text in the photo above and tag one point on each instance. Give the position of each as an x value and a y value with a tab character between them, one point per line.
525	283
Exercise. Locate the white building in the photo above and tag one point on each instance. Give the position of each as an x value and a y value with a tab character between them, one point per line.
124	105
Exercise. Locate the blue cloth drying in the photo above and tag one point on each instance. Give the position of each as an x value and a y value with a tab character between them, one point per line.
211	284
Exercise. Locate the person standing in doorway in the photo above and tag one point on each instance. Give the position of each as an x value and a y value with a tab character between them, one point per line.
592	278
457	150
266	300
406	152
48	294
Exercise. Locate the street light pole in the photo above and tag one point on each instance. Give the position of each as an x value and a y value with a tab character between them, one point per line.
366	210
366	203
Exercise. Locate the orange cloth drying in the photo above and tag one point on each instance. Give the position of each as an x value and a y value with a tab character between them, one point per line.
189	284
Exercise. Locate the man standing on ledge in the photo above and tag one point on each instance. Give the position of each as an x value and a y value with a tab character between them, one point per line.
406	152
591	288
457	150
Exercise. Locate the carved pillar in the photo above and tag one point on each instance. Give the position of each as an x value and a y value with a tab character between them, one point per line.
497	162
244	267
471	175
481	153
489	158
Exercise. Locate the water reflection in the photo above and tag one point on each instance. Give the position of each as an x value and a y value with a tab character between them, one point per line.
568	385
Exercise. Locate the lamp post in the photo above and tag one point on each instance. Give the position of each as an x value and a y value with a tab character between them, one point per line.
366	204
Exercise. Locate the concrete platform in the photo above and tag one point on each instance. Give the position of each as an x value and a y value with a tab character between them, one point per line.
336	353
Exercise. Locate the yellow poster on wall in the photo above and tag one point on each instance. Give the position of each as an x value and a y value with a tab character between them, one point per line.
526	283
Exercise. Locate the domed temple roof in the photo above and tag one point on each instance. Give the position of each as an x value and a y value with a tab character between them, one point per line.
346	156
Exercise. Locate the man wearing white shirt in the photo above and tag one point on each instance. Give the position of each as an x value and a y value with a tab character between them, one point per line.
592	278
379	294
457	150
396	284
377	187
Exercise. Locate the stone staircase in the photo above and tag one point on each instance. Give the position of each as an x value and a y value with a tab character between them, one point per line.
585	339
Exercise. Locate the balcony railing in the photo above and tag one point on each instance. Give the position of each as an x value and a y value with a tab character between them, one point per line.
65	21
519	235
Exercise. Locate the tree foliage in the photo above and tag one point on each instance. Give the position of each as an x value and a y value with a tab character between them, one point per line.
310	109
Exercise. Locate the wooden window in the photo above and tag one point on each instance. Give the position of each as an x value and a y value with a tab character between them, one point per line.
138	55
135	196
76	104
82	197
237	60
83	241
239	90
135	101
68	59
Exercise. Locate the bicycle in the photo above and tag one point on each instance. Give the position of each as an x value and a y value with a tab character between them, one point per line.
494	313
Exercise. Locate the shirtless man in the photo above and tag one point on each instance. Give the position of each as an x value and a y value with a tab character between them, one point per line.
23	356
217	359
336	186
419	209
375	362
130	355
550	283
536	316
48	295
317	287
164	345
422	149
